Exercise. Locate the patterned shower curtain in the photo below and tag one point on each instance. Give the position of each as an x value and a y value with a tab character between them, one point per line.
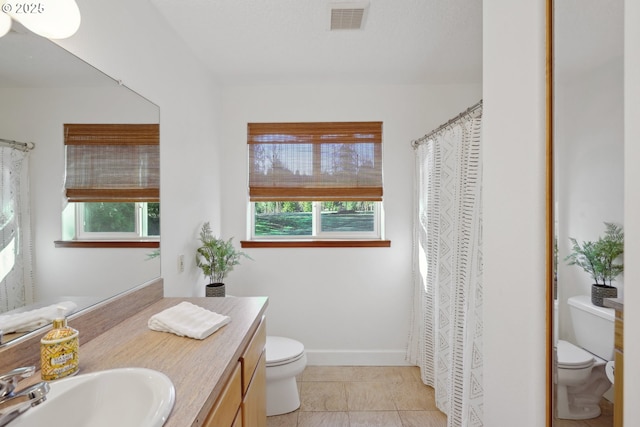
446	334
16	274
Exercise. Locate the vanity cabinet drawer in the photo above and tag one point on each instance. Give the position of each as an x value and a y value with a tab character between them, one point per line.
254	404
618	384
252	354
618	390
619	329
243	402
238	421
225	411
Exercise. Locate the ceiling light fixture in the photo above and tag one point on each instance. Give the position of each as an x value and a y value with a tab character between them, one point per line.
53	19
348	15
5	24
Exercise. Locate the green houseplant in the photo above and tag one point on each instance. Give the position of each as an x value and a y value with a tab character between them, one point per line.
598	259
216	258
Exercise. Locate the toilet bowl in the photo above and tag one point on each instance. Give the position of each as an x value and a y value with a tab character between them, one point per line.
285	358
581	382
581	378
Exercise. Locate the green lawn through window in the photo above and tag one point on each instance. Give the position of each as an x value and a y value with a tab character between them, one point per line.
300	223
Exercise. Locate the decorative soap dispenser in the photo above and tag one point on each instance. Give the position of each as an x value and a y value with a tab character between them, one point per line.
59	350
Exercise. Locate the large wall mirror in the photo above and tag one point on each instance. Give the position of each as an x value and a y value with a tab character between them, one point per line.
588	180
42	87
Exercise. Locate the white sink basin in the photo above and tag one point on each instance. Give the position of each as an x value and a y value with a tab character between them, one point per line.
128	397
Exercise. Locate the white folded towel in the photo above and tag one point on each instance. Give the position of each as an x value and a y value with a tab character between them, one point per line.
27	321
188	320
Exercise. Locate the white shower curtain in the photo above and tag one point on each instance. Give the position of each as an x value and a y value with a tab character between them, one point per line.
446	334
16	270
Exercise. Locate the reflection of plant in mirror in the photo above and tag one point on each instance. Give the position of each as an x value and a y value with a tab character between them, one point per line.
598	258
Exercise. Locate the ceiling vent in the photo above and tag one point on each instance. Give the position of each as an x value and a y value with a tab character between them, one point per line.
348	15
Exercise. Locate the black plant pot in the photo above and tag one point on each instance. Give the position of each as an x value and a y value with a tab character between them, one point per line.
215	290
599	292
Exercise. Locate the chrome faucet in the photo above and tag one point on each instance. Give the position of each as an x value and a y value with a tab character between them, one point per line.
13	403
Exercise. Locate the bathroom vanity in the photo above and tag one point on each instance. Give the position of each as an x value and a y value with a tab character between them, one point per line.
618	385
219	381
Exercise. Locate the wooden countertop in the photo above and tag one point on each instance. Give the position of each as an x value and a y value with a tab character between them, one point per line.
615	303
197	368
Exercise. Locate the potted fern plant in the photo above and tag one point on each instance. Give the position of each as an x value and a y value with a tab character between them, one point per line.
599	259
216	257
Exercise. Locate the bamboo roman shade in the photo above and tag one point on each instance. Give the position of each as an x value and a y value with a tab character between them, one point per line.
112	162
335	161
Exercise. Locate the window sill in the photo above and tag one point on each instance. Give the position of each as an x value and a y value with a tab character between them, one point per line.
315	243
107	244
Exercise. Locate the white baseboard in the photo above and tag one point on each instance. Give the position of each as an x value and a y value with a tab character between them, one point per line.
357	358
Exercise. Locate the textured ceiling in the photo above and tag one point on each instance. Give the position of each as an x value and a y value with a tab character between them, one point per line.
275	41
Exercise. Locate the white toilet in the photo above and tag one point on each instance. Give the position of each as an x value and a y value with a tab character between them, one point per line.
285	358
581	378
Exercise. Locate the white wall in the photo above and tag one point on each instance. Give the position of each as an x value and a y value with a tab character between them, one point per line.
348	306
39	115
514	213
130	41
589	172
513	56
632	211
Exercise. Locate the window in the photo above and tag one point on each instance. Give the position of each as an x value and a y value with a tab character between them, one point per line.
119	220
112	182
318	181
337	219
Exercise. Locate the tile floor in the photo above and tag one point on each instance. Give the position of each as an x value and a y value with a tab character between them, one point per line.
372	396
362	396
604	420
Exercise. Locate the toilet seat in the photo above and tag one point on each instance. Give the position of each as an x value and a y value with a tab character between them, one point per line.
281	351
572	357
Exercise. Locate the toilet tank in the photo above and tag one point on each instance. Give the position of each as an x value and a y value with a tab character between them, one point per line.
593	326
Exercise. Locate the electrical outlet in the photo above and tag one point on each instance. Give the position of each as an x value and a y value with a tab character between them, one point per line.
180	263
